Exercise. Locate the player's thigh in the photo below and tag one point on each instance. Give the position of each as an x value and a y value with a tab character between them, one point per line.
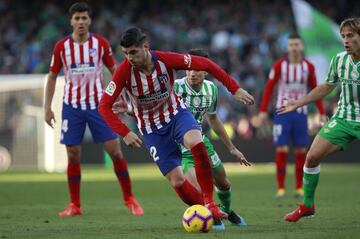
215	161
338	131
319	149
100	131
73	124
164	151
299	130
185	129
281	129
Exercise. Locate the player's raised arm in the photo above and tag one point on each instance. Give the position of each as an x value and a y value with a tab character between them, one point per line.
317	93
187	61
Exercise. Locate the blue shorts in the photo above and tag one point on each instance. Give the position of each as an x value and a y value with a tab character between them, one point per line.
163	143
74	123
290	126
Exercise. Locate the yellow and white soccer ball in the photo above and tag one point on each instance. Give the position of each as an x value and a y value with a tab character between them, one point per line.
197	218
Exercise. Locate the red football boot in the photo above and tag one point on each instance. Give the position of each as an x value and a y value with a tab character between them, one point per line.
70	211
215	211
134	207
299	212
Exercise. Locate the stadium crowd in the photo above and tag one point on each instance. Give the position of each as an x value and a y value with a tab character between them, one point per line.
244	37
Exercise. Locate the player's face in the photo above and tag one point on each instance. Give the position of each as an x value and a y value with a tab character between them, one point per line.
136	55
295	47
195	78
351	41
80	22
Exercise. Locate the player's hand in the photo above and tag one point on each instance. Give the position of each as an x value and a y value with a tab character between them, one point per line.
239	156
244	97
323	120
290	105
132	140
262	117
119	107
50	117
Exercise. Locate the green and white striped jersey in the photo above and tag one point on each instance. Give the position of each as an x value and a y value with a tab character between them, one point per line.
199	103
346	72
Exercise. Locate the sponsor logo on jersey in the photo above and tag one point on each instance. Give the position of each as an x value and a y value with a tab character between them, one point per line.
78	69
110	89
152	97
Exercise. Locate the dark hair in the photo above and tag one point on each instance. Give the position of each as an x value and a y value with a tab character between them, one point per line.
352	23
79	7
294	35
133	36
199	52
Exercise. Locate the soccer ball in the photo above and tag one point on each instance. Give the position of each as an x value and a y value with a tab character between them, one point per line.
197	218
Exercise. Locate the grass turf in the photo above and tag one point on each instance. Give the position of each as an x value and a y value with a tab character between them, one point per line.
30	201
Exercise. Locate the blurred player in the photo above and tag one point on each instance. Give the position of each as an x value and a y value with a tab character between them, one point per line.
294	74
344	126
83	55
200	96
163	120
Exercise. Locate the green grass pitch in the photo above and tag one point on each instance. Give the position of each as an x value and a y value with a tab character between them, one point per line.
30	201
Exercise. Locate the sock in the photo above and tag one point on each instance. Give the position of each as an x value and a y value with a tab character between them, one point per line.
122	174
299	173
203	171
188	193
225	199
281	158
74	179
311	179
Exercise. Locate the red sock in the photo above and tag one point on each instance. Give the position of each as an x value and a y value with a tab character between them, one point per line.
299	164
188	193
121	171
203	171
281	158
74	179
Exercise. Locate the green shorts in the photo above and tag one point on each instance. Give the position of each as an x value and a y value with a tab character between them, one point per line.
187	159
340	132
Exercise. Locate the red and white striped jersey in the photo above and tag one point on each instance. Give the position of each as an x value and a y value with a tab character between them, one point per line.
294	81
152	96
83	69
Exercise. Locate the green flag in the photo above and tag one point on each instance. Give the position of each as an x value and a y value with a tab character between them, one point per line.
320	34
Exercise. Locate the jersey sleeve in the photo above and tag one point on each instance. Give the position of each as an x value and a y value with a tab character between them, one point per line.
110	95
56	63
213	106
108	57
312	84
190	62
332	76
273	78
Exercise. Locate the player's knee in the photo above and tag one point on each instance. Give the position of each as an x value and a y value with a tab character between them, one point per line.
224	185
177	181
312	159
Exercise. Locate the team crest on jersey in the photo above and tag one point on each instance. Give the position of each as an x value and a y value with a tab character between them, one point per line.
187	60
163	78
110	89
92	52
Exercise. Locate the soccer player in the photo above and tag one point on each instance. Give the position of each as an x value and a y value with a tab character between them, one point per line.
83	55
344	126
148	77
295	75
200	96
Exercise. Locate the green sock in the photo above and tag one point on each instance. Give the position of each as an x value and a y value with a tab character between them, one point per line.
310	181
225	199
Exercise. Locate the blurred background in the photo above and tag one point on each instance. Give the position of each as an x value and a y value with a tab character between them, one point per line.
244	37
